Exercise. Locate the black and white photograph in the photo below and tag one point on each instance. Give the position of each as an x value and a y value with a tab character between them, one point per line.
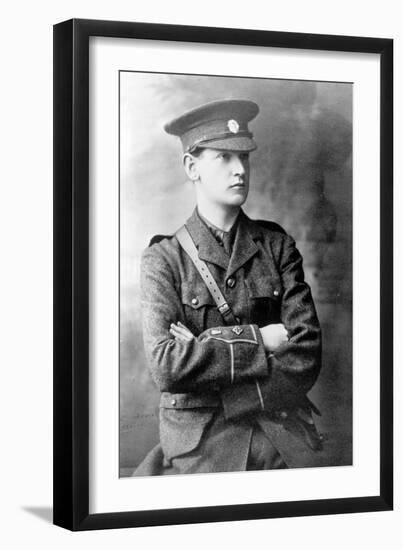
201	295
235	290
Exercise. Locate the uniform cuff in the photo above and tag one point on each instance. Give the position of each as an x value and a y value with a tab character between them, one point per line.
250	357
246	350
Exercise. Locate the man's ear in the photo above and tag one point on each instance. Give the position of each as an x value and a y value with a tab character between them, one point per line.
190	165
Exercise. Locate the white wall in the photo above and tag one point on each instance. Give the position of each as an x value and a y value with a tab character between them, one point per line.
26	299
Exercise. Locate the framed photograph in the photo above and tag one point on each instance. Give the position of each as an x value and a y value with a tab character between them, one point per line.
223	303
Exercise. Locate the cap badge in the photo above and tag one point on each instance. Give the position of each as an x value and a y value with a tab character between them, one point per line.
233	126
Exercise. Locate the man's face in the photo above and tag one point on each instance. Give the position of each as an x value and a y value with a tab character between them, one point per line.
223	176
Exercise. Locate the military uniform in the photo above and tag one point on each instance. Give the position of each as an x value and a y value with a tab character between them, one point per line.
226	404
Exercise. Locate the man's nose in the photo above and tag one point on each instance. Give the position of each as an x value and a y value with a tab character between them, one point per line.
238	165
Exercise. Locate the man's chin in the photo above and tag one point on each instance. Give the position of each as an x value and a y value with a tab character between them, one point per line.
231	202
238	200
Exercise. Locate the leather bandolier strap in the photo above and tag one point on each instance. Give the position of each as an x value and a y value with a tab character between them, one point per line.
186	242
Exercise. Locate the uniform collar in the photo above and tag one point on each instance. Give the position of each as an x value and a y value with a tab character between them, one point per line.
224	238
244	246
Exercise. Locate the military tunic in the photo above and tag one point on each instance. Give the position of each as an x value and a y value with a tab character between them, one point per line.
222	386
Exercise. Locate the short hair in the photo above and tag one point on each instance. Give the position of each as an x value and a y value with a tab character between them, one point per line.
196	152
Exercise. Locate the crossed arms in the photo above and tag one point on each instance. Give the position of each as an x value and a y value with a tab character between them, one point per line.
284	358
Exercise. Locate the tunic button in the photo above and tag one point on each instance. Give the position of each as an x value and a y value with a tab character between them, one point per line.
231	282
173	402
283	415
276	293
195	301
238	320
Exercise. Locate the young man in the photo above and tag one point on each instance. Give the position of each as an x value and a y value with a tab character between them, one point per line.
231	334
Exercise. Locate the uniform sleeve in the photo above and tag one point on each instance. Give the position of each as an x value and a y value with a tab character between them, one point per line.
294	367
219	357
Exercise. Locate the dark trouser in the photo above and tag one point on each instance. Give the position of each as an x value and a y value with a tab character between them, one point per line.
262	454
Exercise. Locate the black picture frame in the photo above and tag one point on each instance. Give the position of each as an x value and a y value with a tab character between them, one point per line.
71	273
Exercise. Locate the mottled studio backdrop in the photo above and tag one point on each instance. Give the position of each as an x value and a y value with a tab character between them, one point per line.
301	178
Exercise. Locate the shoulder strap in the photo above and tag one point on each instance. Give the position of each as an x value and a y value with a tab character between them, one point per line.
186	242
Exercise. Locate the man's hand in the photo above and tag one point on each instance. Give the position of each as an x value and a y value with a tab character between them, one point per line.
273	336
180	332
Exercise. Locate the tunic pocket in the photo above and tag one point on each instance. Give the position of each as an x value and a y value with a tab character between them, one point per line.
196	296
198	304
181	430
265	301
